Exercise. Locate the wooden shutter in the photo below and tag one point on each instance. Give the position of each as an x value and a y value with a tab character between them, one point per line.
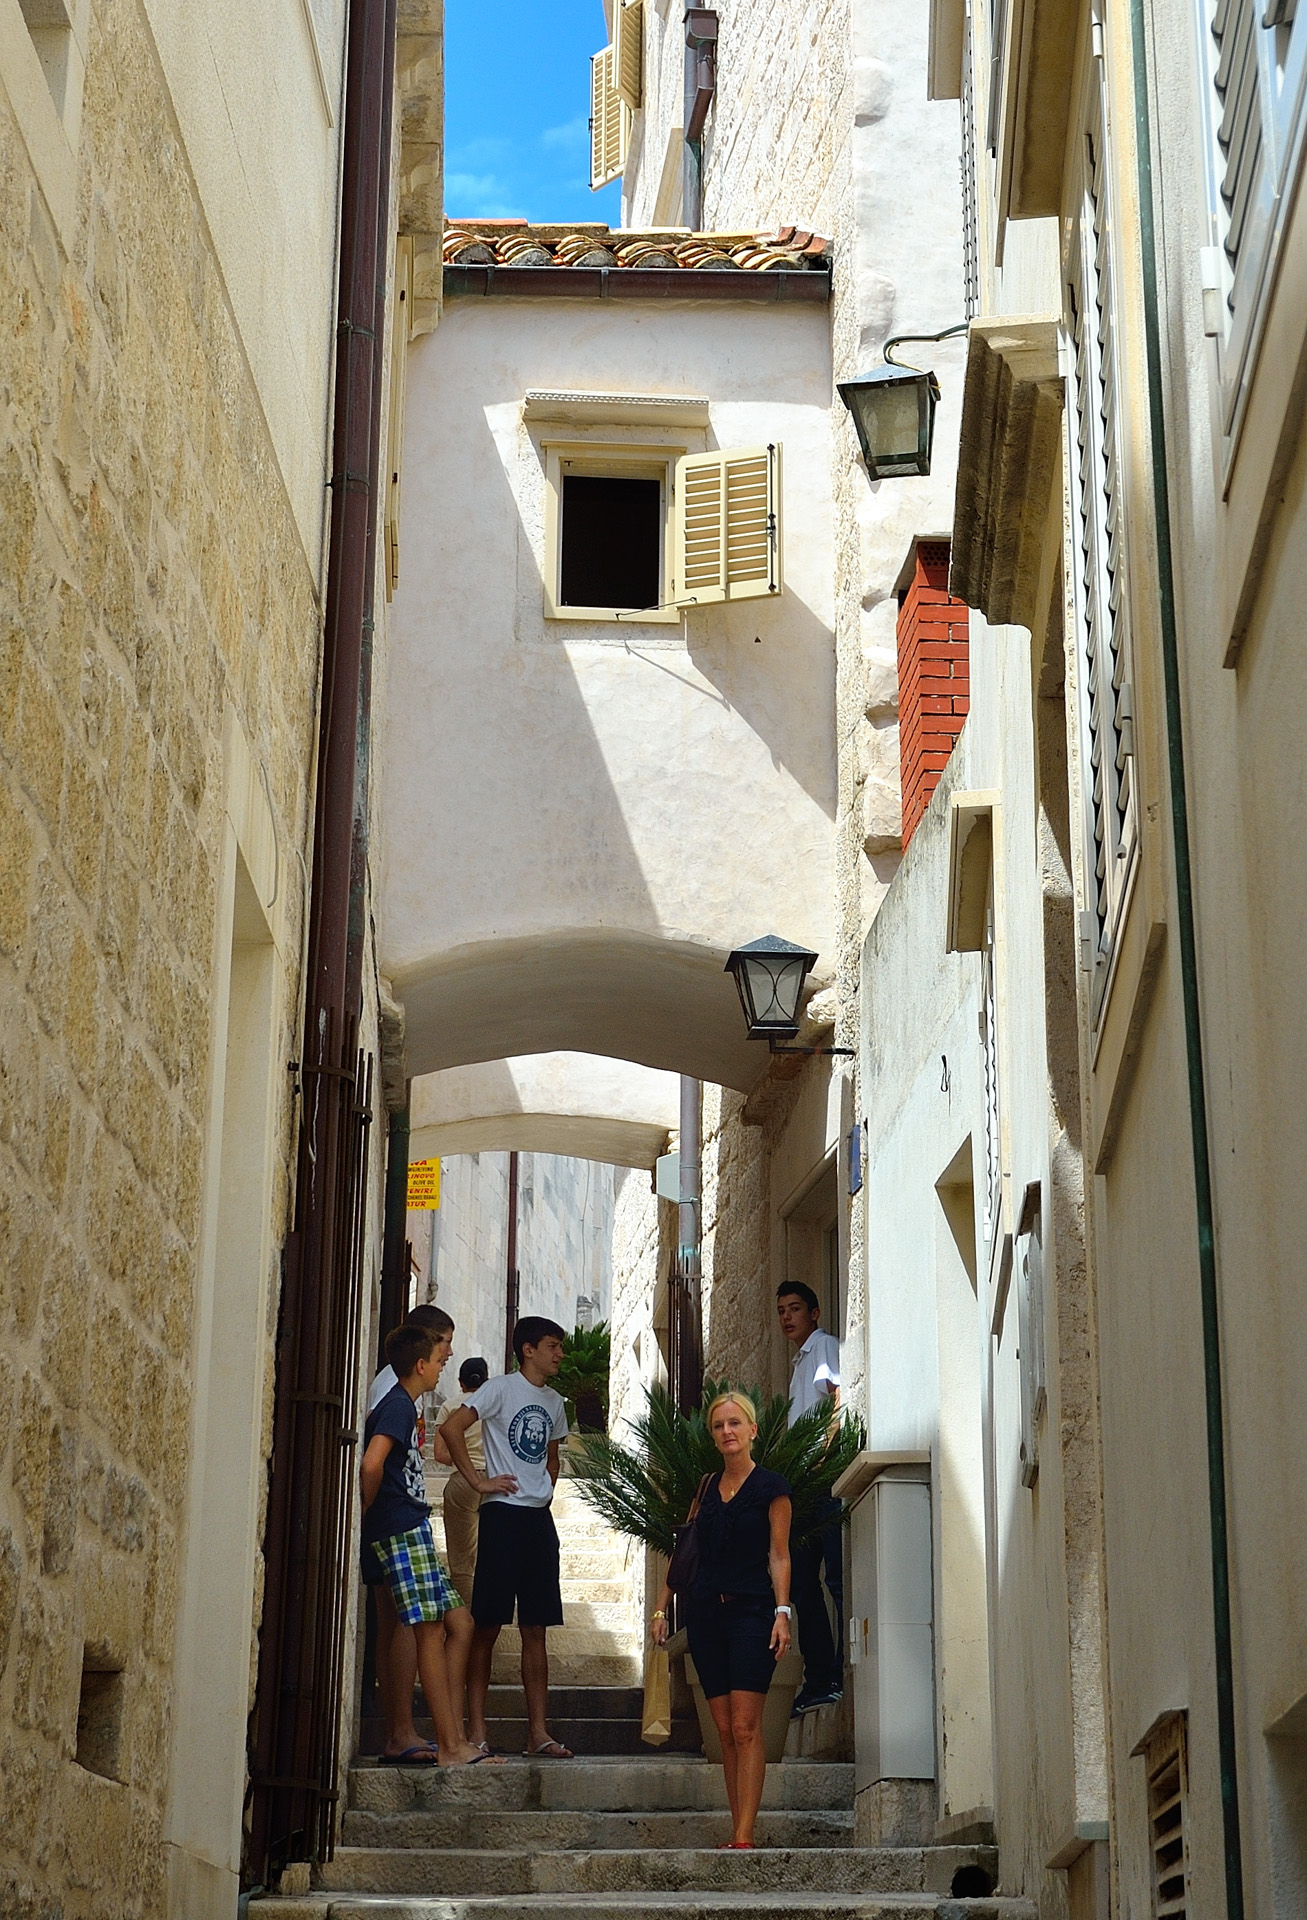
628	52
607	121
1105	697
400	322
727	520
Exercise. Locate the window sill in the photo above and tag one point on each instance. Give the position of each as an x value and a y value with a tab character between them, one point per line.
616	616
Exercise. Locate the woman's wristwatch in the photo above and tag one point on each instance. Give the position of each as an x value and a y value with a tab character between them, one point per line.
660	1615
786	1609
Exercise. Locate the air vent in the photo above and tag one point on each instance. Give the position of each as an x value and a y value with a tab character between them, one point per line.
1167	1807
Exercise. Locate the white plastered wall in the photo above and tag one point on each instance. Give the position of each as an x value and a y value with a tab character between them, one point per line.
568	1103
633	799
257	94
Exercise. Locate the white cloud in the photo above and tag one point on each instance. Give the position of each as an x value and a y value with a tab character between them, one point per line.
479	196
572	137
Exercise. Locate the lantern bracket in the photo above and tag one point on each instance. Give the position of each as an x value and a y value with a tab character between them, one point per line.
897	340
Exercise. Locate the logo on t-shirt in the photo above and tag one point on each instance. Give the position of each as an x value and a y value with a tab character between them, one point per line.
528	1434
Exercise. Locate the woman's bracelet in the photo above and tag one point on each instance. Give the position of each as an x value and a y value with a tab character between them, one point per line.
660	1615
784	1608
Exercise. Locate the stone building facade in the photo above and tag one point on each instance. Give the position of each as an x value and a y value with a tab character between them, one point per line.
168	232
565	1222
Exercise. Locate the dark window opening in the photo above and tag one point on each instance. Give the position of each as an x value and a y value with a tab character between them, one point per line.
612	534
100	1717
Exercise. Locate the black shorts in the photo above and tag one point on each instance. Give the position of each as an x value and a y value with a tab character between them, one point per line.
517	1566
730	1645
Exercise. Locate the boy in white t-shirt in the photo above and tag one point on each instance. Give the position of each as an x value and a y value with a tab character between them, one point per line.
522	1421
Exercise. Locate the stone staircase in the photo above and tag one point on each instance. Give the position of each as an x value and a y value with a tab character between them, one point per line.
620	1839
596	1661
622	1832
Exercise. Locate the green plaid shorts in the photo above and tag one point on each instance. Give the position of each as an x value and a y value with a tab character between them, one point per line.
419	1585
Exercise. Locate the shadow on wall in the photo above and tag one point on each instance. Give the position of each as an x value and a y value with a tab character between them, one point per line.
579	820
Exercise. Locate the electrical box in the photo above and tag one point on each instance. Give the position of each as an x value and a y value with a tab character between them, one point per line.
891	1629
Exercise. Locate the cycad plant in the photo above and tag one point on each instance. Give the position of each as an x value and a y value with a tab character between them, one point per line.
583	1377
644	1491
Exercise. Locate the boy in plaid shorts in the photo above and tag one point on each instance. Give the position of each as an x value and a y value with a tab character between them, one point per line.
398	1547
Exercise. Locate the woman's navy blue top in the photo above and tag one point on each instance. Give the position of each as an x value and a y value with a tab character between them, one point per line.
734	1537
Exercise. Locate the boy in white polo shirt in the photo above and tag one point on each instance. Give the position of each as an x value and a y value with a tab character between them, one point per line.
816	1374
523	1420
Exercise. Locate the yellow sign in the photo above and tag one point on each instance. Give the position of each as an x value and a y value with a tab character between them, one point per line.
423	1186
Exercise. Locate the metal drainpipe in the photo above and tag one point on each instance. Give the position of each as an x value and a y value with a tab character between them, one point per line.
394	1244
331	988
511	1273
690	1385
1210	1298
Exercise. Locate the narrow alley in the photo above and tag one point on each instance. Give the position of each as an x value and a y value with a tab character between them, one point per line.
652	892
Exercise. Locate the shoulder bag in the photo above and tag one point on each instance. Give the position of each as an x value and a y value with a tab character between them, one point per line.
683	1567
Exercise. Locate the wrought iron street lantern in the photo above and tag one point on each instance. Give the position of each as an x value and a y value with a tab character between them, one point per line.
894	411
769	976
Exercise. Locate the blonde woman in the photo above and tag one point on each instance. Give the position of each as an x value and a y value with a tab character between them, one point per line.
739	1606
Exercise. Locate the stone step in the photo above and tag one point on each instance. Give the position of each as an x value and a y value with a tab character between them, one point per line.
466	1828
507	1733
576	1666
580	1655
596	1591
647	1784
480	1871
635	1906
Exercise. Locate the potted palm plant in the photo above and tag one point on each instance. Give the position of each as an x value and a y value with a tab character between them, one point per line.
644	1491
583	1378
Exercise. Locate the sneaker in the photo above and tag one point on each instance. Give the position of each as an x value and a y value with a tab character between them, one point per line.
828	1697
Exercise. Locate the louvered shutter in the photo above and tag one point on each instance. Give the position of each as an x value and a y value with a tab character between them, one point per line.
628	52
1245	179
607	121
728	534
1103	639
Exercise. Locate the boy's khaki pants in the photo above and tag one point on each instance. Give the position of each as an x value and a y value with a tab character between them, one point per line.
461	1506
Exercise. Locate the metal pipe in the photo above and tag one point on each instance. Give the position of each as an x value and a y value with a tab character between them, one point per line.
689	1385
512	1277
1227	1741
394	1243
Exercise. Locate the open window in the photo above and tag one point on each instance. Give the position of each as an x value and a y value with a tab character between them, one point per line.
606	532
641	533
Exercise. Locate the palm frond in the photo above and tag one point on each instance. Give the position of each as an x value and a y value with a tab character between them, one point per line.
644	1491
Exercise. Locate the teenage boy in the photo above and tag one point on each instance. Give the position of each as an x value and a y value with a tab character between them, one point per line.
397	1648
398	1547
816	1376
522	1423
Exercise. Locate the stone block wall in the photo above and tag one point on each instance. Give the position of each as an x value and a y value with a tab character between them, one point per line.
151	573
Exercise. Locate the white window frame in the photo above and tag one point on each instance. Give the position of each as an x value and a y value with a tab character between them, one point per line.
615	460
1098	566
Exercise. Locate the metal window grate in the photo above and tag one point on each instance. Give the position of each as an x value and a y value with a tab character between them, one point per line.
1167	1808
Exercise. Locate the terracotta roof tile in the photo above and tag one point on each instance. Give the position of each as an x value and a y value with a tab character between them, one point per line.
518	243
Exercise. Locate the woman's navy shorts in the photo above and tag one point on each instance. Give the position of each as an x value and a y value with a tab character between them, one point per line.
730	1645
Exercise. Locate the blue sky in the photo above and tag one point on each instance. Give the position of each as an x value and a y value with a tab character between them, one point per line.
517	110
